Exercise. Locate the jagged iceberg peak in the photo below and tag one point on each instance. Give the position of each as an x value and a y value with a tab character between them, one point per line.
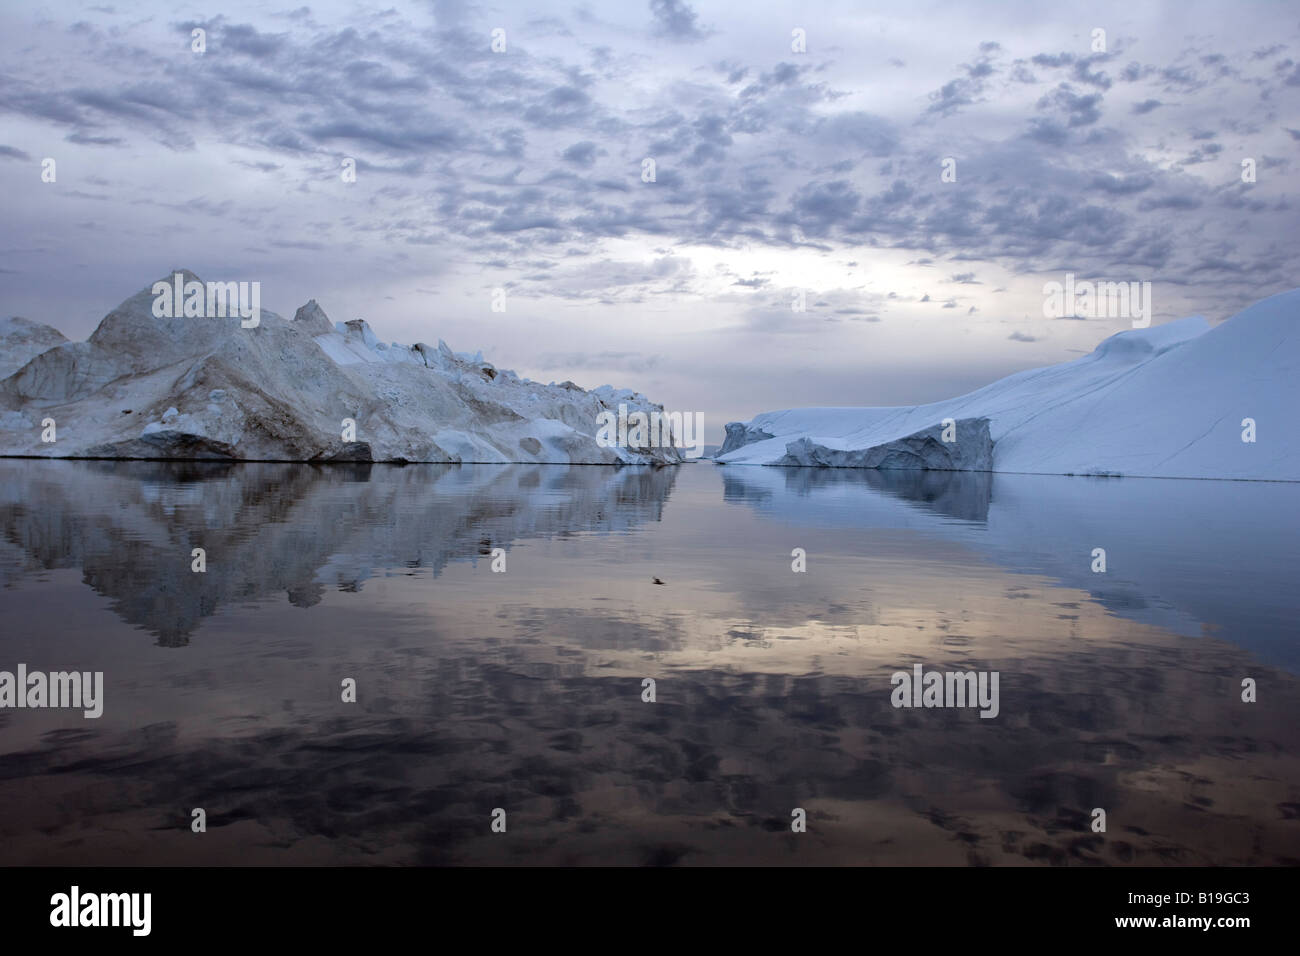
1178	400
21	340
312	318
192	369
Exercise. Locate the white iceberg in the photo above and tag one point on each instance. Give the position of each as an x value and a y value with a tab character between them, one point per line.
21	340
303	390
1179	400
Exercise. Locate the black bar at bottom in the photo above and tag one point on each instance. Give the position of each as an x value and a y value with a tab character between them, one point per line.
330	906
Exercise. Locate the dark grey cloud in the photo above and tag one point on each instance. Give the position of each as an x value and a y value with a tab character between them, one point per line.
1080	68
85	139
244	38
1121	185
1077	109
818	206
676	20
583	154
968	88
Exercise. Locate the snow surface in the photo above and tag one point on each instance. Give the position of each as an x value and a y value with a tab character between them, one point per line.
149	387
1167	401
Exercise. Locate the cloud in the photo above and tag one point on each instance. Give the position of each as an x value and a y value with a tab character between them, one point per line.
583	154
244	38
968	88
1079	110
818	206
85	139
675	20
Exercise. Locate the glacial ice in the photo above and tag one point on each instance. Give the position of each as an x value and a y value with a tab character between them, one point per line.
143	386
1178	400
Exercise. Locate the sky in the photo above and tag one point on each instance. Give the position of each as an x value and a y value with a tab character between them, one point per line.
518	177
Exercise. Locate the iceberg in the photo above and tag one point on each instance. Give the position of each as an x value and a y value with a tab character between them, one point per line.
21	340
1178	400
145	386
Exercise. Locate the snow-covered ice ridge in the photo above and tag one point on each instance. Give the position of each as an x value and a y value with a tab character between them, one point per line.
1170	401
201	388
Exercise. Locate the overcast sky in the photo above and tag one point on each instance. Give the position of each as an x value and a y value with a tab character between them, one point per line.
775	171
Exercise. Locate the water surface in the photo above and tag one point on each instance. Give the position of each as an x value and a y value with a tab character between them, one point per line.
523	690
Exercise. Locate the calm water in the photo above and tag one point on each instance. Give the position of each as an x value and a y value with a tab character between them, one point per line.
522	690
